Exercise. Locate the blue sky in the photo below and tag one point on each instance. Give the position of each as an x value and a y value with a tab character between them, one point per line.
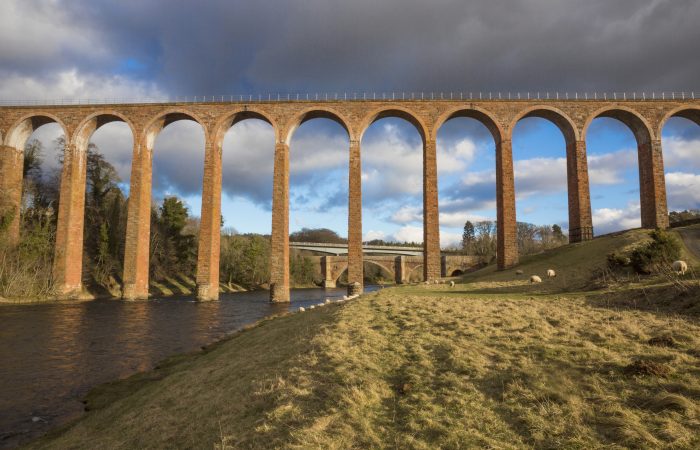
131	49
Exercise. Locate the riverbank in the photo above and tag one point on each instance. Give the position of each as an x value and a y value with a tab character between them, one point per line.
492	362
418	368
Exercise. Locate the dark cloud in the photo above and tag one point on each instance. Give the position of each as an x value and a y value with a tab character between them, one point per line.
223	46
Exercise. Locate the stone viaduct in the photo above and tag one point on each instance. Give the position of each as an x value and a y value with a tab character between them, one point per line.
400	267
645	117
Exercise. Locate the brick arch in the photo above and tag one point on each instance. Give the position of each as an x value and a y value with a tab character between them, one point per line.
316	113
344	268
481	115
165	118
398	112
20	131
554	115
652	183
640	127
94	122
690	113
225	123
413	269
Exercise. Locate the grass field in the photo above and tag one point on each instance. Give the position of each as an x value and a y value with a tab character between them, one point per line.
574	362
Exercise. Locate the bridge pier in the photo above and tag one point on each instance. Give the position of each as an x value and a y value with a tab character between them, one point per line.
327	271
580	218
138	224
431	223
507	243
652	184
68	256
210	227
355	261
279	258
400	270
11	169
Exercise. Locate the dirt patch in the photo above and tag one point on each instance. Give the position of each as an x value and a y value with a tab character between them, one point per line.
644	367
662	341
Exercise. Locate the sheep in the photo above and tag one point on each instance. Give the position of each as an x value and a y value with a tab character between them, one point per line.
518	272
452	284
328	300
301	309
535	279
680	267
551	273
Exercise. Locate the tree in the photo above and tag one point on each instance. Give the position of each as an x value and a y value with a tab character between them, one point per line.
317	235
468	237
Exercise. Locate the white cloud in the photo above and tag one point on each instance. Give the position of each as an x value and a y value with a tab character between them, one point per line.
607	220
408	233
681	153
72	84
455	156
408	214
374	234
608	168
682	191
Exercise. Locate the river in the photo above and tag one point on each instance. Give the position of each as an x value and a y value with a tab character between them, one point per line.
52	354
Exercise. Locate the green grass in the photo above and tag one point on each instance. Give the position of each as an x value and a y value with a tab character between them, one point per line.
492	363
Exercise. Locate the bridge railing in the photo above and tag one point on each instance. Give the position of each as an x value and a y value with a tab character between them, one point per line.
365	96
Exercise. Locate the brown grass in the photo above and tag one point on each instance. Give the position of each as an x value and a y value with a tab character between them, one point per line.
426	367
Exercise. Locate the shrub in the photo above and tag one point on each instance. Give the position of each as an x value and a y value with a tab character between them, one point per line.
663	248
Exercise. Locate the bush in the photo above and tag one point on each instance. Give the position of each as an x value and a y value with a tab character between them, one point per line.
663	249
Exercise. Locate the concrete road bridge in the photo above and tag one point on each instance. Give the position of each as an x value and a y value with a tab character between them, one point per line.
402	263
342	249
644	115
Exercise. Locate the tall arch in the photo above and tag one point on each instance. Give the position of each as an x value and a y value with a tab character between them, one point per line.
209	246
12	167
507	248
279	259
681	159
68	259
578	189
138	228
652	185
431	223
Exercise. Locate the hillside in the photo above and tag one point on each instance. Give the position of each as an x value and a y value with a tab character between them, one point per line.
494	362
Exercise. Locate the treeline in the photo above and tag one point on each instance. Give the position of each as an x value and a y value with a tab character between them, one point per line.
479	239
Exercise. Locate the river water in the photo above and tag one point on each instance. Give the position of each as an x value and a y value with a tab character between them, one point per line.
52	354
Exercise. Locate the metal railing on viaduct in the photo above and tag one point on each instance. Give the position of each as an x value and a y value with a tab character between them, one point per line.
645	117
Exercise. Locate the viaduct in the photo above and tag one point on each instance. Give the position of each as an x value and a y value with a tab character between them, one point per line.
644	116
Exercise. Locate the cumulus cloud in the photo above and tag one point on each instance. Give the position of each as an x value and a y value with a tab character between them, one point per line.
607	220
683	191
681	153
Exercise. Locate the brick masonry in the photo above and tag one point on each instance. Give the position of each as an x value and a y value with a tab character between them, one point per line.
644	117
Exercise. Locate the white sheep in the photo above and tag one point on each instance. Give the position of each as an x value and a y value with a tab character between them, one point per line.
680	267
452	284
518	272
551	273
301	309
535	279
328	300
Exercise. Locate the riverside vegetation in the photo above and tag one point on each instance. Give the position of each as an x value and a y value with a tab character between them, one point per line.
602	356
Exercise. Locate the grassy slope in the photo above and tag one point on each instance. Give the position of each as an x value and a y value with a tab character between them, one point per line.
421	367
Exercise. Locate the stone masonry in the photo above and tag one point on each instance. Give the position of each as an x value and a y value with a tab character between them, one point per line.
644	117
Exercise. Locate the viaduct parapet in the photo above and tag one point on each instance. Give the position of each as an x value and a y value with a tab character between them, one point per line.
644	117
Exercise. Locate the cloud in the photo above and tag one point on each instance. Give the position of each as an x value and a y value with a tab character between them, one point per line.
72	84
607	220
681	153
683	191
609	168
408	233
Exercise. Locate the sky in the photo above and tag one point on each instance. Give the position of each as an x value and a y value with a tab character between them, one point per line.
53	49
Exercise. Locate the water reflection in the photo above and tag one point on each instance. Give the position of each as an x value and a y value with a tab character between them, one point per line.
52	354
